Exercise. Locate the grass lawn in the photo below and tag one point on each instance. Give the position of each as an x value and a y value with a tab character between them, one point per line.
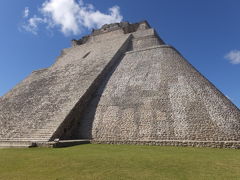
93	161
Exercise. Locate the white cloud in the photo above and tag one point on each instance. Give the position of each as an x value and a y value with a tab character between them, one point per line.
91	18
62	13
233	56
70	16
32	24
26	12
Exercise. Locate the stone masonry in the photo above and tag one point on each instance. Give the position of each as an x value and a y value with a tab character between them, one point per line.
120	84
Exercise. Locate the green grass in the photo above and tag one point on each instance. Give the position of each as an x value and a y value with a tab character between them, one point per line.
119	162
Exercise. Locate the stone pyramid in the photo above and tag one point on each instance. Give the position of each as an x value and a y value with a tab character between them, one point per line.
120	84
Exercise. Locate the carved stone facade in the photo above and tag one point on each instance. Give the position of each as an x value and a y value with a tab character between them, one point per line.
120	84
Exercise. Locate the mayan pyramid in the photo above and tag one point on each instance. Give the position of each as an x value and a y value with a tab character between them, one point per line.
120	84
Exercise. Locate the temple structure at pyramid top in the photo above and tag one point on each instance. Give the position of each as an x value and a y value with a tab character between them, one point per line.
120	84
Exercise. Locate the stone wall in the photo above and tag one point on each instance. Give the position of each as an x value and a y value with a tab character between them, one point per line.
212	144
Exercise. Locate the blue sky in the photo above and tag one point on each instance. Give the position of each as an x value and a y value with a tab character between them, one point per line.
206	32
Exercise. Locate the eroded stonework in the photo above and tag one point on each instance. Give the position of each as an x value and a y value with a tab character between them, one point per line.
120	84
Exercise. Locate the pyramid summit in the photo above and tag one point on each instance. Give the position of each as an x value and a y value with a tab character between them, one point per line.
120	84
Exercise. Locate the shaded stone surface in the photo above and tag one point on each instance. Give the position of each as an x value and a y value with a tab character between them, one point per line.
155	94
120	84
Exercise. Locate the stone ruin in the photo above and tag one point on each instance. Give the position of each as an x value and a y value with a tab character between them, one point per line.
121	84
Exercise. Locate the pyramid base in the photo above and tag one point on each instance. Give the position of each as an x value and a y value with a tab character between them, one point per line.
212	144
50	144
62	143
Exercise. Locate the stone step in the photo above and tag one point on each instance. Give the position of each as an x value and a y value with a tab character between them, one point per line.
29	135
23	139
45	130
38	137
55	144
49	131
16	144
39	134
26	135
42	133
